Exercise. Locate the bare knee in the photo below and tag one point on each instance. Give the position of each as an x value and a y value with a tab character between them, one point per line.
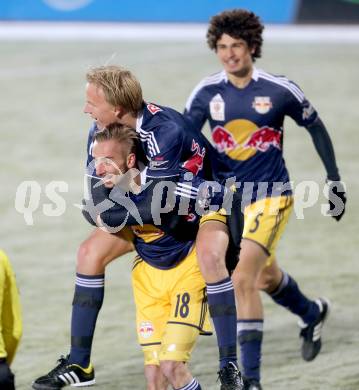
169	369
244	283
211	247
212	261
89	259
269	280
155	380
177	373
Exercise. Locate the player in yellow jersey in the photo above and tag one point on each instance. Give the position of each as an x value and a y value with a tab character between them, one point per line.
10	322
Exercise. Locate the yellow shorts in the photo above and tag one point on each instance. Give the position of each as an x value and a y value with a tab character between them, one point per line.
171	309
265	220
10	311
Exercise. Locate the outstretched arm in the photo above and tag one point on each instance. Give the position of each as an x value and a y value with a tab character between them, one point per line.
324	147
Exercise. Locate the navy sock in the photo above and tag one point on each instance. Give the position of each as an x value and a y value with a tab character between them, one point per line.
193	385
88	298
222	308
250	336
288	294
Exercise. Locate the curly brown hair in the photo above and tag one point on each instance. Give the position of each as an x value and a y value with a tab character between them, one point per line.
239	24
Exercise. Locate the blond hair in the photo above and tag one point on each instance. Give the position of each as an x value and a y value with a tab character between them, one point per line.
120	86
121	134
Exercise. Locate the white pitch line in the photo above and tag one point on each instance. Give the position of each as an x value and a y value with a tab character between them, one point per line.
69	31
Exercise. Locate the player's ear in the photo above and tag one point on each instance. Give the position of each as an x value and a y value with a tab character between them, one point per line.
131	160
119	111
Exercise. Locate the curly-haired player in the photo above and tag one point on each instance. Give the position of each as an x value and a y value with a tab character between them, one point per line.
246	108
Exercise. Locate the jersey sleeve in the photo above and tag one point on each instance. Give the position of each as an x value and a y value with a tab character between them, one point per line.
165	159
298	106
196	109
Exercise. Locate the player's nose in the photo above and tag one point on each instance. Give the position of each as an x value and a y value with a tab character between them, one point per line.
86	109
100	169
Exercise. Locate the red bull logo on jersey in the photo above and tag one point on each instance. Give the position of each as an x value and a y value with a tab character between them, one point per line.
146	329
223	139
262	104
263	139
241	139
195	163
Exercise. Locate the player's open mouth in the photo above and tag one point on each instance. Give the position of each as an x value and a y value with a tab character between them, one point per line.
232	62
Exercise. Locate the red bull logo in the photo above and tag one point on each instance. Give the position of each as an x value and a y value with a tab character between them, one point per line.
263	138
146	329
195	163
223	139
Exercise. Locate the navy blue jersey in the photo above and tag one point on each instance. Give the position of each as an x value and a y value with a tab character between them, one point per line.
159	249
247	124
172	147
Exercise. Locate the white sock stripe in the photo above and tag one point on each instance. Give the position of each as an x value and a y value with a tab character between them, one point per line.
219	291
190	386
100	285
249	326
90	282
220	288
229	282
282	285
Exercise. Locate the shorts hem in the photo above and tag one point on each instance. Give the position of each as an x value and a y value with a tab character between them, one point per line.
258	243
202	332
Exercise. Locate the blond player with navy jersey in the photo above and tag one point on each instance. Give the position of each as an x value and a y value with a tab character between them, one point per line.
172	148
169	290
246	108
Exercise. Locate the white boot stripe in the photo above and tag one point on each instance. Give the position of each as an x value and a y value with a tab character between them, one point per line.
76	378
64	379
69	378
